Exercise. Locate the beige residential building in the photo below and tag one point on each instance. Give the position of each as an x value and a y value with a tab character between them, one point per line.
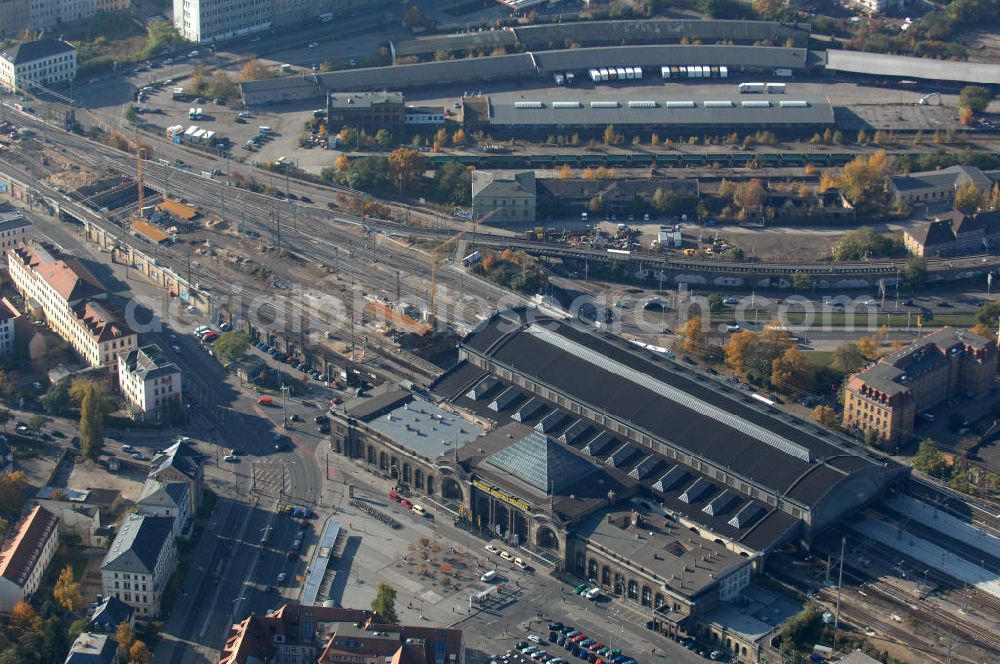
45	62
26	554
149	381
73	302
15	17
886	398
10	319
501	199
138	566
936	186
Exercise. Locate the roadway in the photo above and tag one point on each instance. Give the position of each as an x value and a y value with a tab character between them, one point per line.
229	561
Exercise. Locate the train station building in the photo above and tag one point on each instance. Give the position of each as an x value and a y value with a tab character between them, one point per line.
583	453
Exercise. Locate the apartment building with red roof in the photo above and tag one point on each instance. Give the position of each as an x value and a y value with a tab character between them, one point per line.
295	634
73	303
26	554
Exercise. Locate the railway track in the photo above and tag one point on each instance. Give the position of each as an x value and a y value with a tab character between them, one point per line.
98	154
885	629
966	629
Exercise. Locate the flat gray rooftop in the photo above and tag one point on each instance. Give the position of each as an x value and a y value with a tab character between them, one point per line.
686	562
656	109
425	429
878	64
324	550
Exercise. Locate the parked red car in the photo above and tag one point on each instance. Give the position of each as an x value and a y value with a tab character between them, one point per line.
405	503
395	496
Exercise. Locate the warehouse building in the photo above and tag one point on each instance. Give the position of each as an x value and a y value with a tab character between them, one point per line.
693	111
604	33
519	66
926	69
938	186
368	111
565	444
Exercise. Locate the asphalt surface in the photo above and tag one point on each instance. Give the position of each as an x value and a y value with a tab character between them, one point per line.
231	571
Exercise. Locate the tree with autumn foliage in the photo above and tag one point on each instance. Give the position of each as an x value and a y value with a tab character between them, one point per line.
825	416
870	347
751	355
341	163
23	619
405	166
139	654
255	70
695	339
968	198
792	372
125	635
863	181
67	590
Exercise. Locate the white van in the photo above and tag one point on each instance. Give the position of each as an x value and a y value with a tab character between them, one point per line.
489	576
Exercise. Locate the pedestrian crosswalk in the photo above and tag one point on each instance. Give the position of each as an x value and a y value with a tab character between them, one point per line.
269	477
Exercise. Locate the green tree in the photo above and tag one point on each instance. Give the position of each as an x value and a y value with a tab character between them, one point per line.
801	281
230	346
370	174
384	603
989	315
131	115
55	644
847	358
453	184
803	629
930	460
91	423
915	272
974	97
860	244
56	399
76	628
35	423
12	492
384	138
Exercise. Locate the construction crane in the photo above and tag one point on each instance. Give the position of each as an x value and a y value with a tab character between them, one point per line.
453	238
135	146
